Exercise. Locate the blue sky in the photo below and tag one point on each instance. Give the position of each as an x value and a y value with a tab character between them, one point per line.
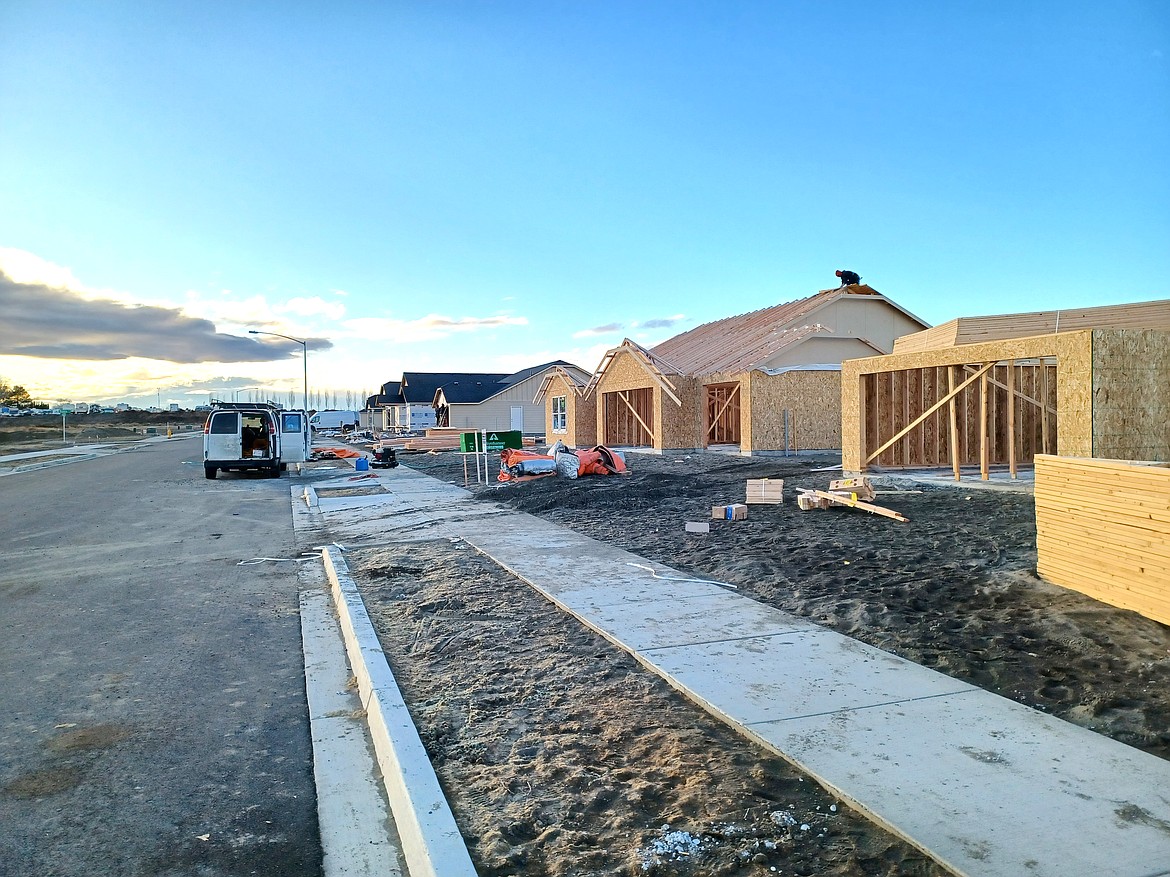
485	187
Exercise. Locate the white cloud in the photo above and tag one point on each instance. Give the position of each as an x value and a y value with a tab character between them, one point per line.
22	266
428	328
312	307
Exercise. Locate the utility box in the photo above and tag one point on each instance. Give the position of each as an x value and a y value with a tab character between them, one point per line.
472	442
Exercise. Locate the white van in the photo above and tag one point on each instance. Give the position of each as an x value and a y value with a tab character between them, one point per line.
294	438
239	436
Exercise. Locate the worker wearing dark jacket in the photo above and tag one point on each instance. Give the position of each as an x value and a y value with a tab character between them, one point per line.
848	278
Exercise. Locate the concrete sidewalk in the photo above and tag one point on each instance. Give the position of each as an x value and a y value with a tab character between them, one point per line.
984	785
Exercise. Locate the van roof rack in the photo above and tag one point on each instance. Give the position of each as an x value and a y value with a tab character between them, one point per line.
244	406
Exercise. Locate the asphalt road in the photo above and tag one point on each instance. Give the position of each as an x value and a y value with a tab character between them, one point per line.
152	698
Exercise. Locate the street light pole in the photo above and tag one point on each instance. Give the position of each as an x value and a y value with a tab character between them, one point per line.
304	359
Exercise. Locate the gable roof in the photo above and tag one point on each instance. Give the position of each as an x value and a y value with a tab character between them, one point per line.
654	367
390	393
577	380
525	374
742	342
464	392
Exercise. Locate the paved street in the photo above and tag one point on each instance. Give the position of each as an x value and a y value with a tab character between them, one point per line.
152	705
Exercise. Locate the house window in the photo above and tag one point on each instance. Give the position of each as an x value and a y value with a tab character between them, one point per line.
559	417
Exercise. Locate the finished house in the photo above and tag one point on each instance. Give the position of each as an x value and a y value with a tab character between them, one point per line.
496	402
768	381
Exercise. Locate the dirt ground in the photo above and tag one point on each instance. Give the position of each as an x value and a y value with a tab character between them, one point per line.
44	432
563	757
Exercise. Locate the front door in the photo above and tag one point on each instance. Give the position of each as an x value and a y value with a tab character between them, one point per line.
517	418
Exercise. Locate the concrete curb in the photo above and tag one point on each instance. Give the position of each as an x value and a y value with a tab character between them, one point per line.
431	842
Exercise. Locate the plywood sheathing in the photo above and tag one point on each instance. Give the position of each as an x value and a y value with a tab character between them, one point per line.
1103	529
810	397
1131	395
877	392
975	330
680	427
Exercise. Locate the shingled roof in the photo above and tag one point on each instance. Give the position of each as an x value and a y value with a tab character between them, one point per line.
419	388
740	343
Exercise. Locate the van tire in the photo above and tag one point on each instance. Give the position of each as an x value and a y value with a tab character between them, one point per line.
209	472
274	470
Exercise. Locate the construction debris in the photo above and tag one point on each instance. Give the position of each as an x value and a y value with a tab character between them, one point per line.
703	527
735	512
519	465
860	488
807	501
847	499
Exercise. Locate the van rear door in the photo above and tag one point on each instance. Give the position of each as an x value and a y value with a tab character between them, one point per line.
294	437
222	441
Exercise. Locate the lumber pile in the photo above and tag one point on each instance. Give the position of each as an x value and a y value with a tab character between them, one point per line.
765	491
1103	529
850	492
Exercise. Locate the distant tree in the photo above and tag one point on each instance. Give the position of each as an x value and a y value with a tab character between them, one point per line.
14	396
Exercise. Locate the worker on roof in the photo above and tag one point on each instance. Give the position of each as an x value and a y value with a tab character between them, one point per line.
848	278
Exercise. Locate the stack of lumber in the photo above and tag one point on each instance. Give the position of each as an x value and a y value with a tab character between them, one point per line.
765	491
973	330
1103	529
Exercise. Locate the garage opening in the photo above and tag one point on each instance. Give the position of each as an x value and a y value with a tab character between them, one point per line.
628	418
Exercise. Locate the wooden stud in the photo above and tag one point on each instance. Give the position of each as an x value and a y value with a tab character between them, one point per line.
954	421
1044	408
984	472
1011	416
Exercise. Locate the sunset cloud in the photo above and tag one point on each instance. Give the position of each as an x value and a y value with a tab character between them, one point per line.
52	322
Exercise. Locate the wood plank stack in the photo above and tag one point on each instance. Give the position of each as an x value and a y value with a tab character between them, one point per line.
1103	529
765	491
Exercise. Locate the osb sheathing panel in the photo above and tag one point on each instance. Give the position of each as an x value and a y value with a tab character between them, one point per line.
811	396
1131	394
1103	528
625	372
675	427
1074	386
581	419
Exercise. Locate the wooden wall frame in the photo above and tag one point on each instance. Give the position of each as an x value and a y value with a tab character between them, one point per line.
721	414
